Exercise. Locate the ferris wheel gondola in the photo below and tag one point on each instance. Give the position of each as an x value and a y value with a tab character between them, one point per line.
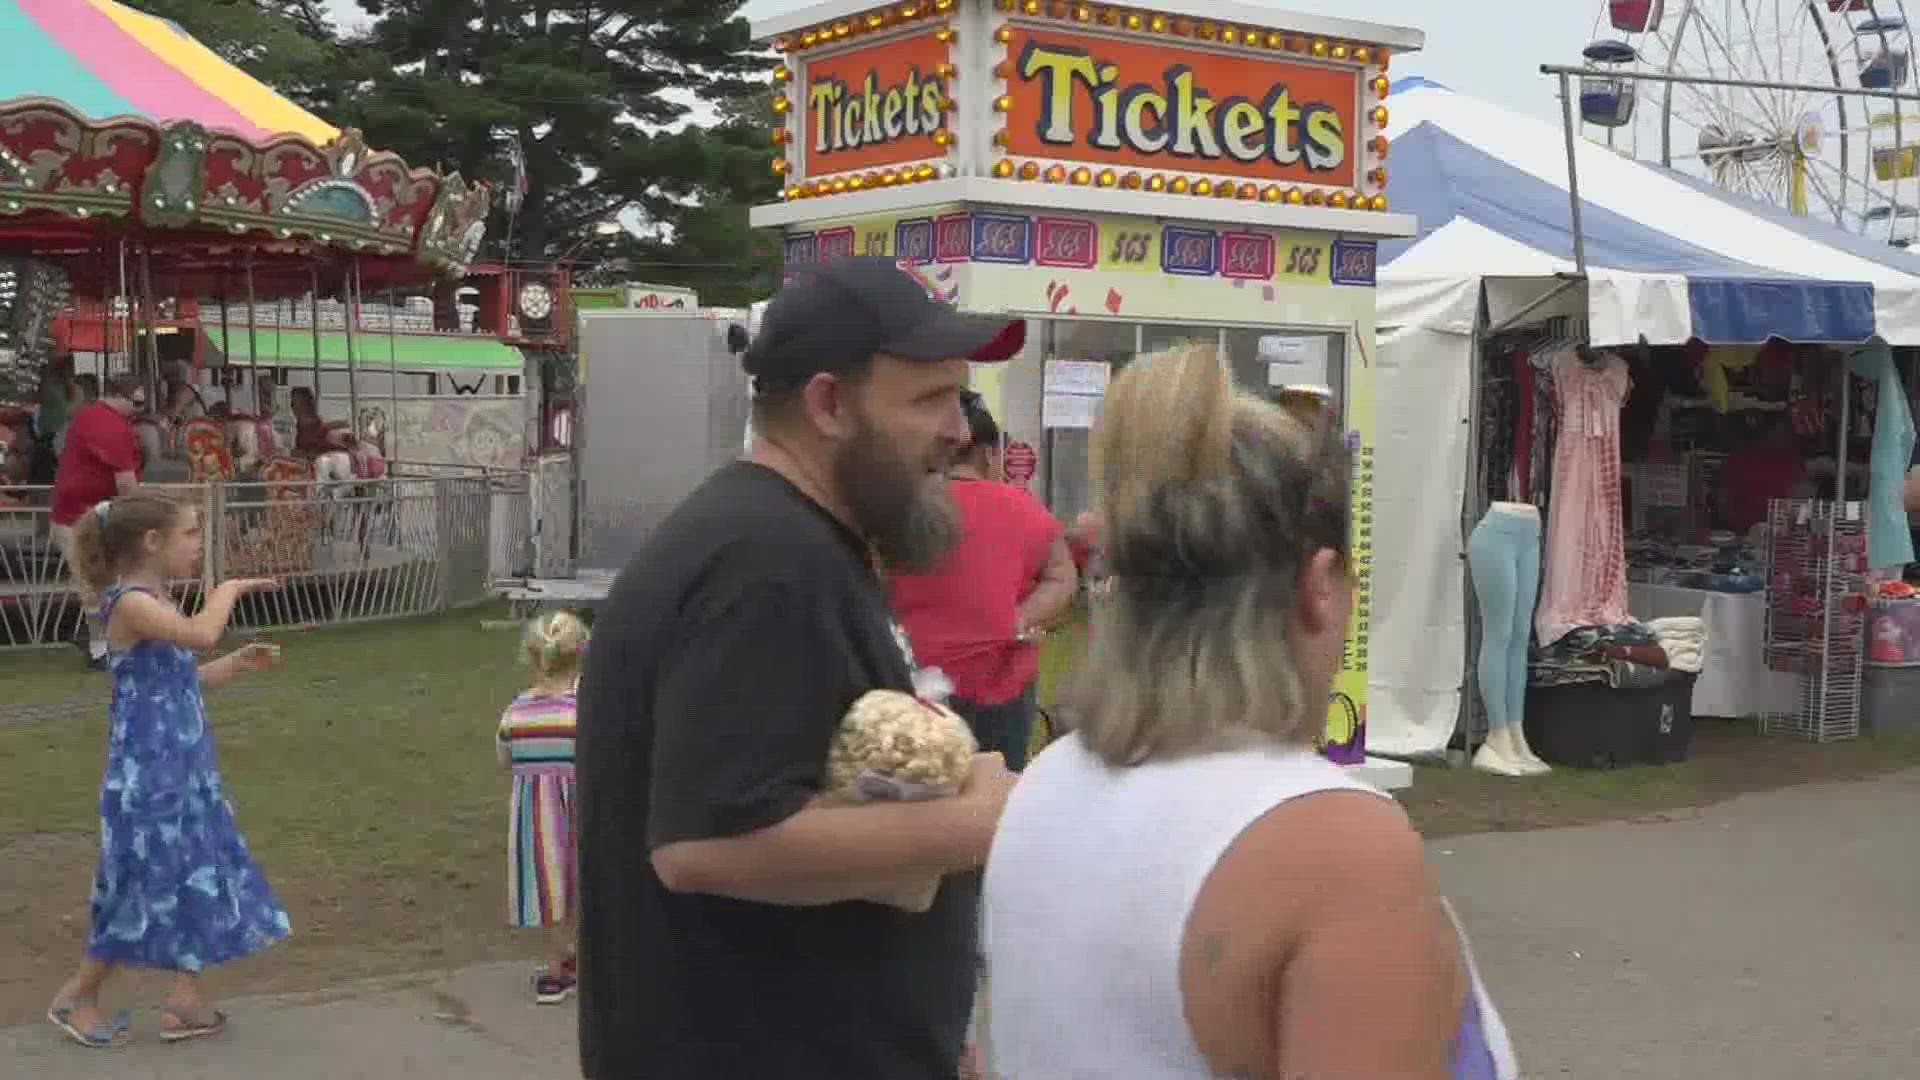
1852	159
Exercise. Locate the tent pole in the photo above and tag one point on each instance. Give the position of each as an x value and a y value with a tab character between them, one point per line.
1573	174
1542	301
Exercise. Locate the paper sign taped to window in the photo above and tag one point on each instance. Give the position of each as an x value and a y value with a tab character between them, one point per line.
1295	361
1076	377
1068	410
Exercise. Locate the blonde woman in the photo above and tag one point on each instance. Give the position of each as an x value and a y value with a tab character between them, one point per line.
535	740
1182	888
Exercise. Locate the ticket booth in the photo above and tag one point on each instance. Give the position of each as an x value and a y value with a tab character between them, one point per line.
1125	179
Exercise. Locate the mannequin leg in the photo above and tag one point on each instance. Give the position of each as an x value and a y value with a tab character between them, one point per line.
1495	586
1526	593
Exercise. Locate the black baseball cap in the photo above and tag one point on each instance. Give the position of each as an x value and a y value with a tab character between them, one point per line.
843	312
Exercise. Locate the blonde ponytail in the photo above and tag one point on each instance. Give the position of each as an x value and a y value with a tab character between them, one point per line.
1213	503
554	645
1167	420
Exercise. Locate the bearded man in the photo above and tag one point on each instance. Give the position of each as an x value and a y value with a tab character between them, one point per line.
722	932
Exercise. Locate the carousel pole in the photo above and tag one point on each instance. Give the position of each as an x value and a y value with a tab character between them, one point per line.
352	283
152	331
226	346
313	307
392	446
126	313
253	338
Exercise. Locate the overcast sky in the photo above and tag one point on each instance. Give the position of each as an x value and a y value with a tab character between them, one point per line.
1495	56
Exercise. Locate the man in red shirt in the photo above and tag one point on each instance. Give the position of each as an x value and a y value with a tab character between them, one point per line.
973	616
101	459
1768	467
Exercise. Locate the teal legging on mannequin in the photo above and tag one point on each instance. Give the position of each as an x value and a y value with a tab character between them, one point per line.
1503	552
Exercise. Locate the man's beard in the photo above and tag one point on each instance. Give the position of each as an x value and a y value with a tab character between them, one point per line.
897	505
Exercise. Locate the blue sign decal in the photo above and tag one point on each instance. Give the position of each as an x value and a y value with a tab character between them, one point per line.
1002	238
1190	252
1355	262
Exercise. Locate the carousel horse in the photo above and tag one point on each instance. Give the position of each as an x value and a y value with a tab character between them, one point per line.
345	478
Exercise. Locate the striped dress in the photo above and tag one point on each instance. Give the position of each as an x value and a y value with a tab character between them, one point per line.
536	738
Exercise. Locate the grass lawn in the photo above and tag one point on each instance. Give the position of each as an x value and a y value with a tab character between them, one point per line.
364	779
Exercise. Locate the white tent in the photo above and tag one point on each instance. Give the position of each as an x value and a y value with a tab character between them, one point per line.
1668	259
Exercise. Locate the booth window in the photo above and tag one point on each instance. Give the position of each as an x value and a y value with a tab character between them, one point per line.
1264	360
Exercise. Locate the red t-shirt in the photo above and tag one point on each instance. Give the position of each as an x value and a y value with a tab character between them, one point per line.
961	617
100	445
1754	476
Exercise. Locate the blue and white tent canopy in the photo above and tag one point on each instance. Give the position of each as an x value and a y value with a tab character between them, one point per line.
1668	256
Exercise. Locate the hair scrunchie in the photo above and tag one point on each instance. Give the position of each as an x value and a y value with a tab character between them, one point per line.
100	510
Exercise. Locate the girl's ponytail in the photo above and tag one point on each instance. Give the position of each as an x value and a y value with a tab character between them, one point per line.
88	554
555	644
107	539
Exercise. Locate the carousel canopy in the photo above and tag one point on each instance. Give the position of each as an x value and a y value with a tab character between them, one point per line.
106	60
116	126
1668	257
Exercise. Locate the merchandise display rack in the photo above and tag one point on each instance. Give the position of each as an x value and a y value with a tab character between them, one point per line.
1817	614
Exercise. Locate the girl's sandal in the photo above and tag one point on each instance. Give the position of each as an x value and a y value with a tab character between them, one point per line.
104	1034
185	1027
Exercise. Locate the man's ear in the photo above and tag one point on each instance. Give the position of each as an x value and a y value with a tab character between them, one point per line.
828	402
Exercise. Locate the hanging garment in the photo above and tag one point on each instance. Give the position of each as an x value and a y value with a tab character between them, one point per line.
1719	360
1520	480
1889	542
1585	578
1546	427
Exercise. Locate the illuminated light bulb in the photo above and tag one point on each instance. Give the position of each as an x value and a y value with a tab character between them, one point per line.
1380	115
1108	178
1003	168
782	73
1134	21
1226	190
908	11
1029	171
1296	197
779	166
855	183
888	179
925	172
1276	41
1001	138
1203	186
1319	47
1003	103
1316	198
1381	85
1338	200
1056	174
1339	52
1082	175
781	104
1249	190
1158	24
1379	177
1083	13
839	185
943	5
821	187
944	37
1156	182
1229	36
807	39
875	21
1178	185
1005	5
1362	55
1379	202
1005	33
1131	181
945	71
1380	145
1272	193
942	137
841	30
1031	7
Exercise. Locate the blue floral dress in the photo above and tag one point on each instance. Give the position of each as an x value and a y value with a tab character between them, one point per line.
176	888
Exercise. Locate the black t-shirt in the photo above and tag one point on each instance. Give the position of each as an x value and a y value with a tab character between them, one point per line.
725	657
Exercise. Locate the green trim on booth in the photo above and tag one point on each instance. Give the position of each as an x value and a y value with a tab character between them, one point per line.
408	352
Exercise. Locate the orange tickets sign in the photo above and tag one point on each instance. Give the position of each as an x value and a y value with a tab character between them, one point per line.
1154	106
877	105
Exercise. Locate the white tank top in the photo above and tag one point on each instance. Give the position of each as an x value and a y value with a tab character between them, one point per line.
1088	888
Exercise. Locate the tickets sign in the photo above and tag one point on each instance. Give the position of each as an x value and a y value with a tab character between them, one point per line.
1110	101
869	107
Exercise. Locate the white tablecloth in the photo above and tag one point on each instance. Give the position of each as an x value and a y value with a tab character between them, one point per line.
1734	678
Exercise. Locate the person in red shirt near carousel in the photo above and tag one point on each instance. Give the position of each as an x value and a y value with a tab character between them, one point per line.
976	615
101	459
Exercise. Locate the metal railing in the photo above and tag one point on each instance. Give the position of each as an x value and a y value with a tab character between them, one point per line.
345	552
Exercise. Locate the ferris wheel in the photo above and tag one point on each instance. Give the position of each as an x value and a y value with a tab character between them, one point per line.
1853	160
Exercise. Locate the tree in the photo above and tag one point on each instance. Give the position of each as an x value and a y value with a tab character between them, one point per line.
601	95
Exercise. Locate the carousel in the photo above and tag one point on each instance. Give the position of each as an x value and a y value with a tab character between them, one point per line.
142	176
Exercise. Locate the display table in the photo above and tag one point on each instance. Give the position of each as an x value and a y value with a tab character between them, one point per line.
1735	681
1383	774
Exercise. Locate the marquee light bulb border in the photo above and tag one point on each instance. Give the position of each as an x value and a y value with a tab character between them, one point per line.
1372	61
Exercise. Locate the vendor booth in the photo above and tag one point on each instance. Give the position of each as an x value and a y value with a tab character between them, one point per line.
1685	403
1125	179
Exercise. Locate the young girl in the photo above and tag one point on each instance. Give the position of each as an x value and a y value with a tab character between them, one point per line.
535	740
176	888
